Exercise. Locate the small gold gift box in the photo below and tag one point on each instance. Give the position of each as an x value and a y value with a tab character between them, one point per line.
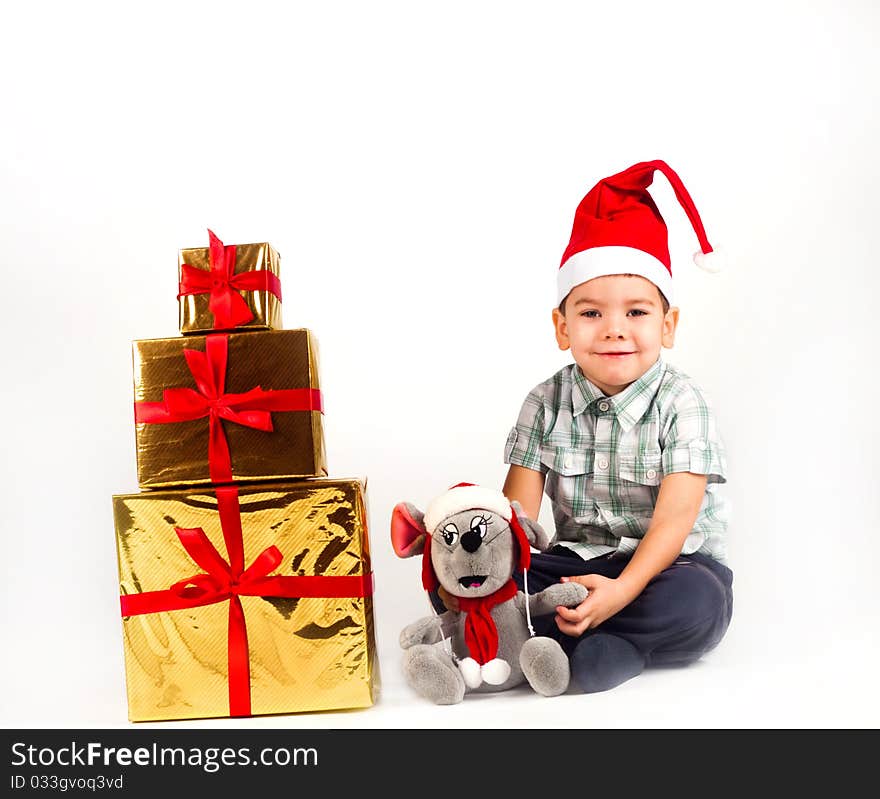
229	286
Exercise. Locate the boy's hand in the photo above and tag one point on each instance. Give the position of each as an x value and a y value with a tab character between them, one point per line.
606	597
450	600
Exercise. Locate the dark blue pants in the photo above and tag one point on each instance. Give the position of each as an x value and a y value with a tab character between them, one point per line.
682	614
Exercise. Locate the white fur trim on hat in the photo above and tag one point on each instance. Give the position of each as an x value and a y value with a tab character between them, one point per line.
460	498
601	261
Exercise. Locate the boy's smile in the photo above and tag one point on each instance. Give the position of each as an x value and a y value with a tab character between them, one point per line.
615	326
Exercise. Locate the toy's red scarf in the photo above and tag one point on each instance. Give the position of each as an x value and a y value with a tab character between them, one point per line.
480	632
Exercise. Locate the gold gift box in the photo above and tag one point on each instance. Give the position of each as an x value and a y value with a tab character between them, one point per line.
177	453
305	654
196	316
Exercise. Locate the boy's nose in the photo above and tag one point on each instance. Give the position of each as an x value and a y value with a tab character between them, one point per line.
614	325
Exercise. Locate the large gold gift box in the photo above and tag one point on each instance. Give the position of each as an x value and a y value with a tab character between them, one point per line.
251	272
199	644
229	407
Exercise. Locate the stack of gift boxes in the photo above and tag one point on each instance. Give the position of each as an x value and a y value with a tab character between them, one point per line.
244	571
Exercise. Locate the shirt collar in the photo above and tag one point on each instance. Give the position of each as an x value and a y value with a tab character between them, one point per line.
629	405
583	392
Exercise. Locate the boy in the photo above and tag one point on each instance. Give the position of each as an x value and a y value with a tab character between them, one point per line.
626	449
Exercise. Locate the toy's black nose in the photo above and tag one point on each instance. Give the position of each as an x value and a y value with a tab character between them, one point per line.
471	540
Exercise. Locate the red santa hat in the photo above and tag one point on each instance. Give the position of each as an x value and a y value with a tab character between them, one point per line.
618	230
462	497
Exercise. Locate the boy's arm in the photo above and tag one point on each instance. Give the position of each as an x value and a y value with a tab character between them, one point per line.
675	512
526	486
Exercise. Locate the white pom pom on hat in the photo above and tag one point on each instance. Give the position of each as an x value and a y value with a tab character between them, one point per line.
618	230
715	261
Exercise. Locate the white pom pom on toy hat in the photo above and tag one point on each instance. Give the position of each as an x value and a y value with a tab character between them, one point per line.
618	230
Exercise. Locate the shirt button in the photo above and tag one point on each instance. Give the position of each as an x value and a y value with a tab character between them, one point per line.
567	461
700	444
603	463
651	474
603	406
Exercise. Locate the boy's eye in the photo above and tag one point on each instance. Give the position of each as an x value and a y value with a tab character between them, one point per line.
638	312
590	314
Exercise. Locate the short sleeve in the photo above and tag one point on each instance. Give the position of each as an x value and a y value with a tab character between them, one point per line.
523	447
692	442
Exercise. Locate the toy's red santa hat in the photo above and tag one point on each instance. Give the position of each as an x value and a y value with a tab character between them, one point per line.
462	497
618	230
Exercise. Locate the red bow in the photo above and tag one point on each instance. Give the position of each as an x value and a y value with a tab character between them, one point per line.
223	580
226	303
250	409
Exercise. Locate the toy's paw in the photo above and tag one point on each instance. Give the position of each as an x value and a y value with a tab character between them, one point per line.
424	631
569	595
432	674
470	672
496	671
545	665
579	594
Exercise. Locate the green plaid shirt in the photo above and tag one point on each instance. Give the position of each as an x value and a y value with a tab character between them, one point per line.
604	457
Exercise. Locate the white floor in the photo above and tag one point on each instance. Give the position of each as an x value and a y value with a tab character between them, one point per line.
750	681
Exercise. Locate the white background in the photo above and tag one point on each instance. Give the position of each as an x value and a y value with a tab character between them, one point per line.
418	166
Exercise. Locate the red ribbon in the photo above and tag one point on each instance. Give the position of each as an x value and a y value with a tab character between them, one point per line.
221	581
251	409
226	303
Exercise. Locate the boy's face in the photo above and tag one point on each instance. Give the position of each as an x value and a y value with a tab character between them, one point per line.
615	327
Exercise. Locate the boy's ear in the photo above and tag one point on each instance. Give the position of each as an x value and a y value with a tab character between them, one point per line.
670	323
561	328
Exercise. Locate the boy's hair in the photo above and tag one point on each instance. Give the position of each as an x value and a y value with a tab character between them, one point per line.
663	301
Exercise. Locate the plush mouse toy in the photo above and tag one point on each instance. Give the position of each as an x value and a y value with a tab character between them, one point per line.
472	540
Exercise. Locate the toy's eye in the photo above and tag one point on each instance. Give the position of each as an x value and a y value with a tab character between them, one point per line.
479	524
450	534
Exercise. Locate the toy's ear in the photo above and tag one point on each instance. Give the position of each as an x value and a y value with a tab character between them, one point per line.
538	537
407	530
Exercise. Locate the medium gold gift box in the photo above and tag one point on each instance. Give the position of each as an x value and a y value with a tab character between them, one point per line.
229	407
242	601
225	287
